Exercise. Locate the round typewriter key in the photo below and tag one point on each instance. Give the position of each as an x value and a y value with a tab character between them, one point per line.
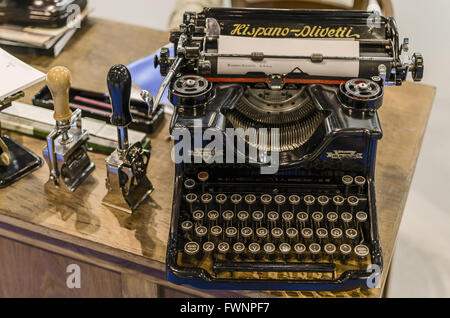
345	250
309	201
224	248
247	233
266	199
302	218
294	200
206	198
360	182
346	219
269	250
299	250
277	234
361	216
279	201
189	184
361	251
317	217
332	218
208	248
190	199
250	199
216	233
203	176
322	234
292	234
353	202
238	249
287	218
307	234
213	217
257	218
272	218
351	235
338	201
198	216
347	181
201	232
323	201
337	234
187	227
236	199
262	233
285	250
314	249
191	252
330	250
220	200
231	233
254	249
243	218
227	217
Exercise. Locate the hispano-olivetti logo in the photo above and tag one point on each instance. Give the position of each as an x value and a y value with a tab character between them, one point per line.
344	154
306	31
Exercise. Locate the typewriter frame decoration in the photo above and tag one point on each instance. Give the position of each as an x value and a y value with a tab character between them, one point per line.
331	130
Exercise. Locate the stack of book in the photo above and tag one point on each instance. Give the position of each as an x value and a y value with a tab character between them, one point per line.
20	39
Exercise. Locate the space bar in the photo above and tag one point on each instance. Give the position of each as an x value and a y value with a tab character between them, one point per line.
274	267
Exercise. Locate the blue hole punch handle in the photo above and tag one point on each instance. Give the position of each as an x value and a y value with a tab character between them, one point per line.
119	86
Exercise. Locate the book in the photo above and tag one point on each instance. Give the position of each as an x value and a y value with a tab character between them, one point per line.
38	122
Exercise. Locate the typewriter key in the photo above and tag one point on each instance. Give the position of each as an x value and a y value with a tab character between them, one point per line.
309	201
338	201
332	218
345	250
279	201
190	199
247	234
203	177
323	201
263	234
269	250
198	217
360	182
189	184
353	202
347	181
266	199
216	234
294	200
337	234
250	199
238	249
351	235
208	248
307	235
347	219
187	227
227	217
236	199
255	250
224	248
317	218
231	233
206	198
302	219
191	252
272	218
277	234
292	234
285	250
361	217
322	235
201	232
330	250
243	218
257	218
220	200
299	250
315	249
287	217
213	217
362	251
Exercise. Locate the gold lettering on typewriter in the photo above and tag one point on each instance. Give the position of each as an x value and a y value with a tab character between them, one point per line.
306	31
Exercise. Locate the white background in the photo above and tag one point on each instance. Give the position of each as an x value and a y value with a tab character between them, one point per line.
421	265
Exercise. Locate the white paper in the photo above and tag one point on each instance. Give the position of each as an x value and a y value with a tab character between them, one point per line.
16	75
300	47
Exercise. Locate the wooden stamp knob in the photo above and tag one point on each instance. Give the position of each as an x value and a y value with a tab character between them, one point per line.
59	81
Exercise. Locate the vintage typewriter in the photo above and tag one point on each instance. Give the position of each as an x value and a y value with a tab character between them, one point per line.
309	83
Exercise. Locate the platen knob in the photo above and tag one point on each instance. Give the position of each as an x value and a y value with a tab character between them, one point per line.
417	72
119	86
58	82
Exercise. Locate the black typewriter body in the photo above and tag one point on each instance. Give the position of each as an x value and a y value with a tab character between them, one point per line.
310	224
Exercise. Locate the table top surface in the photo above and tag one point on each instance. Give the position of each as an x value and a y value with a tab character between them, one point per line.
35	205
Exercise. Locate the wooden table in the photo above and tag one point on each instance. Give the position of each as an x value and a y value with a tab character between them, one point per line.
43	230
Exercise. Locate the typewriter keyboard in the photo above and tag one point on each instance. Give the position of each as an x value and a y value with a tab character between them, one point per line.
289	232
